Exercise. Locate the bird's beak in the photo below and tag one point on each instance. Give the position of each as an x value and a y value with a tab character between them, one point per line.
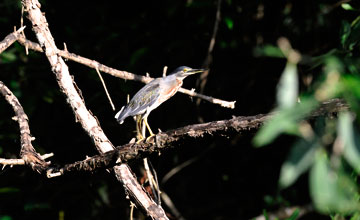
193	71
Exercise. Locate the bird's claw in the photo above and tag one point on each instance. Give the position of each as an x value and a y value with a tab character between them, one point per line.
149	138
140	140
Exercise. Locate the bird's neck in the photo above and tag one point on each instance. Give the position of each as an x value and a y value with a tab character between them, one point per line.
179	82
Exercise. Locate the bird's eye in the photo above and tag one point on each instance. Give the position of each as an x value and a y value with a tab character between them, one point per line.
185	70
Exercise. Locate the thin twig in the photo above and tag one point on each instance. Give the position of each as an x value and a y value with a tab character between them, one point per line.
177	169
22	32
106	91
201	82
164	71
132	205
169	203
153	184
223	103
120	74
12	162
10	39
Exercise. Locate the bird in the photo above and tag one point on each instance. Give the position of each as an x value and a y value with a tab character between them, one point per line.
151	96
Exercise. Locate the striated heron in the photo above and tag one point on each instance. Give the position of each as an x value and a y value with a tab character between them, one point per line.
151	96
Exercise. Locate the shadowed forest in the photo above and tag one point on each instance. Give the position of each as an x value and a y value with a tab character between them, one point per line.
288	57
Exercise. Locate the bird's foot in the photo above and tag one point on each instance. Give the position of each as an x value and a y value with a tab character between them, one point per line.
140	140
148	139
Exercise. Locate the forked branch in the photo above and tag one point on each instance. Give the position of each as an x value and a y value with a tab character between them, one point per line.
89	123
27	152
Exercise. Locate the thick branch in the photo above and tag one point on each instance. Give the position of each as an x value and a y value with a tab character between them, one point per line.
89	123
121	74
27	152
165	140
65	81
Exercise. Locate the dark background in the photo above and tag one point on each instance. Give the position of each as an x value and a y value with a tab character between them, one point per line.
229	178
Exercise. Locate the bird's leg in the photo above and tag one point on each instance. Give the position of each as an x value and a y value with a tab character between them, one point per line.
139	135
148	127
143	131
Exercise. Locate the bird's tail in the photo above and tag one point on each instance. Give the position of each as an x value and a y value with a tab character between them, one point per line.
118	116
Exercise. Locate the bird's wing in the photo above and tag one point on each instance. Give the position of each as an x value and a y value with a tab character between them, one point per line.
143	99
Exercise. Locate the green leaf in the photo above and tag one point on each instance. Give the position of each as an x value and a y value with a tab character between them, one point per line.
330	86
229	23
347	7
320	60
355	21
300	160
354	35
284	121
104	195
7	56
268	51
352	84
265	214
333	64
345	33
5	217
332	191
287	91
9	190
36	206
294	215
350	139
356	216
350	89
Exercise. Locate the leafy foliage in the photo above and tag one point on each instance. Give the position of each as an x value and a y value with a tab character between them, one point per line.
328	150
142	37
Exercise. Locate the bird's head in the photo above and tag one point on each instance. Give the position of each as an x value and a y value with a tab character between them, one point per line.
184	71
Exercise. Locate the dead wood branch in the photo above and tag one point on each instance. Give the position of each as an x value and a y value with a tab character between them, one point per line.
89	123
120	74
202	80
27	152
169	139
165	140
12	162
10	39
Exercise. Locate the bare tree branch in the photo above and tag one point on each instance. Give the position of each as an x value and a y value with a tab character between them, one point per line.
201	82
118	73
27	152
223	103
89	123
169	139
12	162
165	140
10	39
